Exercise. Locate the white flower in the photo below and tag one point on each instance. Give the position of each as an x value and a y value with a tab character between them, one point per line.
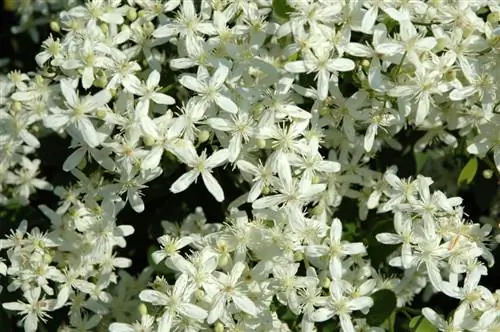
319	61
147	92
34	310
229	287
209	88
341	306
176	302
77	116
186	152
335	250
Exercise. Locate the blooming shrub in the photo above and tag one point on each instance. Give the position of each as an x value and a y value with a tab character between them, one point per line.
285	113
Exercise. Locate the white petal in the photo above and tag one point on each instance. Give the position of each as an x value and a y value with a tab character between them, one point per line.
88	132
69	93
219	76
193	311
213	186
191	83
245	304
217	158
153	79
226	103
184	181
135	200
74	159
296	67
153	297
341	64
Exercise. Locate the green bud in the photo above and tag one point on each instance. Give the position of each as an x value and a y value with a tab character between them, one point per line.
487	174
325	282
365	63
148	140
16	106
261	143
298	256
223	260
203	136
143	310
219	327
131	14
54	26
101	114
199	294
265	190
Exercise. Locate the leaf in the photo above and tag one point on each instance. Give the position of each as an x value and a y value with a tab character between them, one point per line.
282	9
384	303
421	324
468	172
420	160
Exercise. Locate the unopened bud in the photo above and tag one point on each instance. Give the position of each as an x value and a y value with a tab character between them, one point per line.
148	140
101	114
132	14
199	294
219	327
16	106
298	256
325	282
54	26
203	136
487	174
223	260
261	143
365	63
143	310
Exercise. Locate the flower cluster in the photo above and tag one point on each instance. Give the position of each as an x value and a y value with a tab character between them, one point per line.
296	99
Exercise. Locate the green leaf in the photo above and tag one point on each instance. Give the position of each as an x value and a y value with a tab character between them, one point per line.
384	303
282	9
421	324
468	172
420	160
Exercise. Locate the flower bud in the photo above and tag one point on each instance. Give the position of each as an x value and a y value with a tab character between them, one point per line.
131	14
223	259
54	26
16	106
143	310
101	114
487	174
365	63
148	140
261	143
219	327
325	282
203	136
199	294
298	256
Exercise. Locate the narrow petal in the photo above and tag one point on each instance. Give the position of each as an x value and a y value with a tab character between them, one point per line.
213	186
184	181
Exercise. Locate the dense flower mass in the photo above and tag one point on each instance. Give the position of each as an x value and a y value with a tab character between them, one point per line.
293	102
